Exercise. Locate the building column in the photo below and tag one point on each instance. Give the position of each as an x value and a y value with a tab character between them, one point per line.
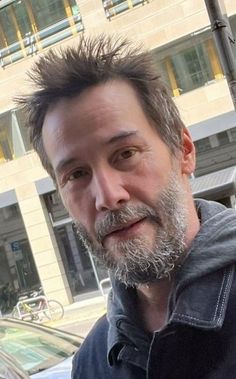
70	16
18	33
130	4
43	244
3	39
215	64
30	13
171	75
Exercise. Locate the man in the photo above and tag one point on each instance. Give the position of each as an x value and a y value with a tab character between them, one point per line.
109	134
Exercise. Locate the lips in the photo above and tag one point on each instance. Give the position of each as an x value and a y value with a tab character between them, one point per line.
119	229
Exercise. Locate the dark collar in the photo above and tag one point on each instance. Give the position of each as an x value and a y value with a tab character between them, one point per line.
202	305
200	292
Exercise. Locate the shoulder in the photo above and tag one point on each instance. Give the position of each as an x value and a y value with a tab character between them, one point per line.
92	356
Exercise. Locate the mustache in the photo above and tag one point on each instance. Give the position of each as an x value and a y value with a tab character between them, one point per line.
119	219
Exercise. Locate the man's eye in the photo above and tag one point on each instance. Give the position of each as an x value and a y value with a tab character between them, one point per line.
77	174
126	154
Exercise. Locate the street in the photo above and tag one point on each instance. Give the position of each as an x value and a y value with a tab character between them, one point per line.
80	328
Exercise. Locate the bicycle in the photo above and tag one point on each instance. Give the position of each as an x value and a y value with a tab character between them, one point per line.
35	308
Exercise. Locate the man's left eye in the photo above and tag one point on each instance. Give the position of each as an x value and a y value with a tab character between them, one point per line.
126	158
126	154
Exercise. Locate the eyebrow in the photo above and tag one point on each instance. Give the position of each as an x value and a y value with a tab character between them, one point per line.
64	163
121	136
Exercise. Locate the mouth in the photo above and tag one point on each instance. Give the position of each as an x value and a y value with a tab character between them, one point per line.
122	231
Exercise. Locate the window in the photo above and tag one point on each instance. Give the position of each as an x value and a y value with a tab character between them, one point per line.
19	118
202	145
188	64
29	26
192	68
233	134
55	207
223	138
17	266
6	143
14	139
114	7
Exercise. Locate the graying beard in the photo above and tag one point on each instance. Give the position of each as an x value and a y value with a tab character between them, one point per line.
137	263
144	265
140	264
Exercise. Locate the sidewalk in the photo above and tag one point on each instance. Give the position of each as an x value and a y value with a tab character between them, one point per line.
81	311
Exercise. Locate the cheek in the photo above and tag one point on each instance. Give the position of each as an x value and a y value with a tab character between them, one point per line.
148	183
150	178
143	190
79	208
70	202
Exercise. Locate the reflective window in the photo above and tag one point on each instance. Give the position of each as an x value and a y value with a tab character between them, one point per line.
115	7
227	137
223	138
29	26
55	207
190	62
233	134
192	68
17	267
6	142
14	139
83	273
203	145
216	152
19	119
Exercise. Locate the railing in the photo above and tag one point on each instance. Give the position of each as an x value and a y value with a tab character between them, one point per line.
36	308
31	307
114	7
105	286
32	43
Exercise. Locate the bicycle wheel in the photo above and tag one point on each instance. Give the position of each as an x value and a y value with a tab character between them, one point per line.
15	313
55	310
30	317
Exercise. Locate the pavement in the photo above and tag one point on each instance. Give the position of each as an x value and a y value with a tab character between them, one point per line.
80	311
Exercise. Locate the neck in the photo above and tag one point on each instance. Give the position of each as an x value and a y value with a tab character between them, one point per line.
153	304
153	298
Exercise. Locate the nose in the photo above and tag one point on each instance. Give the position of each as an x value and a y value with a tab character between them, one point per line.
109	191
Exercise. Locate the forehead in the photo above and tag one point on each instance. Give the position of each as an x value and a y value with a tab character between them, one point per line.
101	98
103	106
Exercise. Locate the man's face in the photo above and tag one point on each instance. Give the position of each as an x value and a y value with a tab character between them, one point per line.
118	181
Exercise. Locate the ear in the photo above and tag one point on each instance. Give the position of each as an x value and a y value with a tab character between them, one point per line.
188	153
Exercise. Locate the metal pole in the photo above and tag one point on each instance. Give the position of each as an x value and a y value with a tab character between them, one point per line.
225	42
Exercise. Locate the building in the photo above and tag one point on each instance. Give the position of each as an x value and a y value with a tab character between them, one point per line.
37	242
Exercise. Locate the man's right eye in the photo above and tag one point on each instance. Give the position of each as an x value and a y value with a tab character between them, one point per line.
80	173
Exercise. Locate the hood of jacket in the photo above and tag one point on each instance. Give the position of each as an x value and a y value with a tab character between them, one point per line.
214	246
213	249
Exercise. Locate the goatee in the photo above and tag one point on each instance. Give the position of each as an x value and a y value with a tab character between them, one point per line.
139	261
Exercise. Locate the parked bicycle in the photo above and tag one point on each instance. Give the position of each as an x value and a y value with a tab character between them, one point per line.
36	307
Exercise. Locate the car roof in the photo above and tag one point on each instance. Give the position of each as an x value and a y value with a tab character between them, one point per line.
12	322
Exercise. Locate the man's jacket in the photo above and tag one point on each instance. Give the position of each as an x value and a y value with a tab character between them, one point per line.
199	339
